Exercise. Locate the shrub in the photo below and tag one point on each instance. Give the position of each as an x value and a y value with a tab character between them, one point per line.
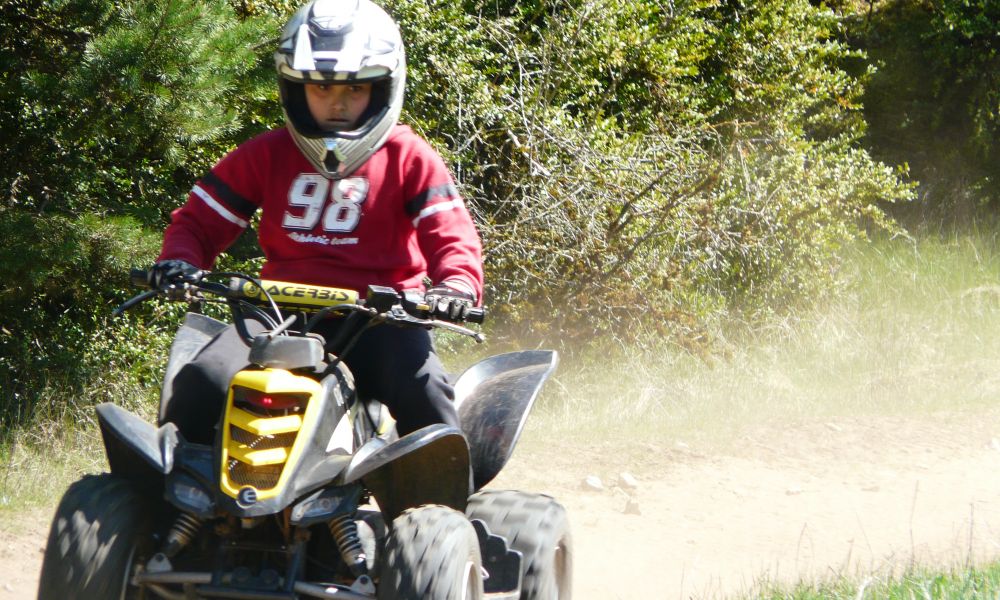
635	167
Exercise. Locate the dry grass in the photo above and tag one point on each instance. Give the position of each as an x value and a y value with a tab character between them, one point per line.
917	330
63	441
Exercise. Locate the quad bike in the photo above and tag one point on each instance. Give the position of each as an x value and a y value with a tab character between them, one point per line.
306	491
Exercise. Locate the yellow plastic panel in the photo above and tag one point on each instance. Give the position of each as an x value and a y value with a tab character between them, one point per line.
258	458
269	381
276	381
264	425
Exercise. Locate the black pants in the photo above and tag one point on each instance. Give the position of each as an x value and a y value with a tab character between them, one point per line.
395	366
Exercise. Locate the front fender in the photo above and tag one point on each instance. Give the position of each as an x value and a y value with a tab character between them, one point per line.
428	466
494	397
136	448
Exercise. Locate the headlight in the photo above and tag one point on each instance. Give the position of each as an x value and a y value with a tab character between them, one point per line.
187	494
324	504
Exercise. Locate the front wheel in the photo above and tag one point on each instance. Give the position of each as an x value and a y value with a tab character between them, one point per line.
538	527
99	524
432	553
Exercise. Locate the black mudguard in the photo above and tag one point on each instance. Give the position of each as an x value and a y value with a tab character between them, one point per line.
134	447
428	466
196	331
494	397
505	577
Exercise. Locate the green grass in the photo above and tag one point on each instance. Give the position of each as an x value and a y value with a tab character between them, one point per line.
36	472
958	584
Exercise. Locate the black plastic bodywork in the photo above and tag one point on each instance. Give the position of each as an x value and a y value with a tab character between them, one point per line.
192	485
196	331
428	466
504	564
136	448
494	397
287	352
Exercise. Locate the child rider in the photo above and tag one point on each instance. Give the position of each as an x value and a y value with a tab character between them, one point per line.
348	198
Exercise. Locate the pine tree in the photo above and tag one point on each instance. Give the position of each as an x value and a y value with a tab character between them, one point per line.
108	111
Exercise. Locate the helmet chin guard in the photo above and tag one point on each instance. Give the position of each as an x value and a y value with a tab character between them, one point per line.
341	41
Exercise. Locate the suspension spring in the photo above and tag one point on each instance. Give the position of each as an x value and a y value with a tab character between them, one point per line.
185	528
345	533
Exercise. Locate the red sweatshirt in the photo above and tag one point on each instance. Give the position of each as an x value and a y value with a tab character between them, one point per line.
395	220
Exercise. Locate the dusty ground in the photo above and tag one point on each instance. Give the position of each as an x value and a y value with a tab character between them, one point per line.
859	497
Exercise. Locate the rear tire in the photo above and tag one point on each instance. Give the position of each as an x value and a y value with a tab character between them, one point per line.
96	533
432	553
538	527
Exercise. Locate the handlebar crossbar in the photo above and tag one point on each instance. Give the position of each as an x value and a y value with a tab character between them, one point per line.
382	304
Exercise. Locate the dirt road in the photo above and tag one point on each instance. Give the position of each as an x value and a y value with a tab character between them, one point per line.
859	497
862	498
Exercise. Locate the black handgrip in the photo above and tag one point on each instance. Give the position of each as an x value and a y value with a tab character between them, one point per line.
139	277
476	315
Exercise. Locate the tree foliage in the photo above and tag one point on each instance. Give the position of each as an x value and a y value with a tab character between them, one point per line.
934	102
682	161
109	111
634	166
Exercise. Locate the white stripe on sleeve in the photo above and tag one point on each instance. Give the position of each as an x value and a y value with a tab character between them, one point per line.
436	208
224	212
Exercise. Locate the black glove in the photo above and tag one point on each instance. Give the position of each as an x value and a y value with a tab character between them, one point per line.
448	303
166	272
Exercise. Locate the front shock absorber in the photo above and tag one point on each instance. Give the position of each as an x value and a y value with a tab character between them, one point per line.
345	533
185	528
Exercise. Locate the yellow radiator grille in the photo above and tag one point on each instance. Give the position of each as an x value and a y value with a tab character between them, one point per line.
261	442
266	412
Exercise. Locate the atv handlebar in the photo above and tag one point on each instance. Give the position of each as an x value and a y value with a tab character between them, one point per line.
408	308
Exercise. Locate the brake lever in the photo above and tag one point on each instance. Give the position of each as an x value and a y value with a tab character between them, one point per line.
181	291
475	335
398	314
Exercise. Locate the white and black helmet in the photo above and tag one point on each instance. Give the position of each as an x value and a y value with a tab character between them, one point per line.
331	41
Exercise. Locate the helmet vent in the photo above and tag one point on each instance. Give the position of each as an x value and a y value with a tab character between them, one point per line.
334	156
303	60
335	16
